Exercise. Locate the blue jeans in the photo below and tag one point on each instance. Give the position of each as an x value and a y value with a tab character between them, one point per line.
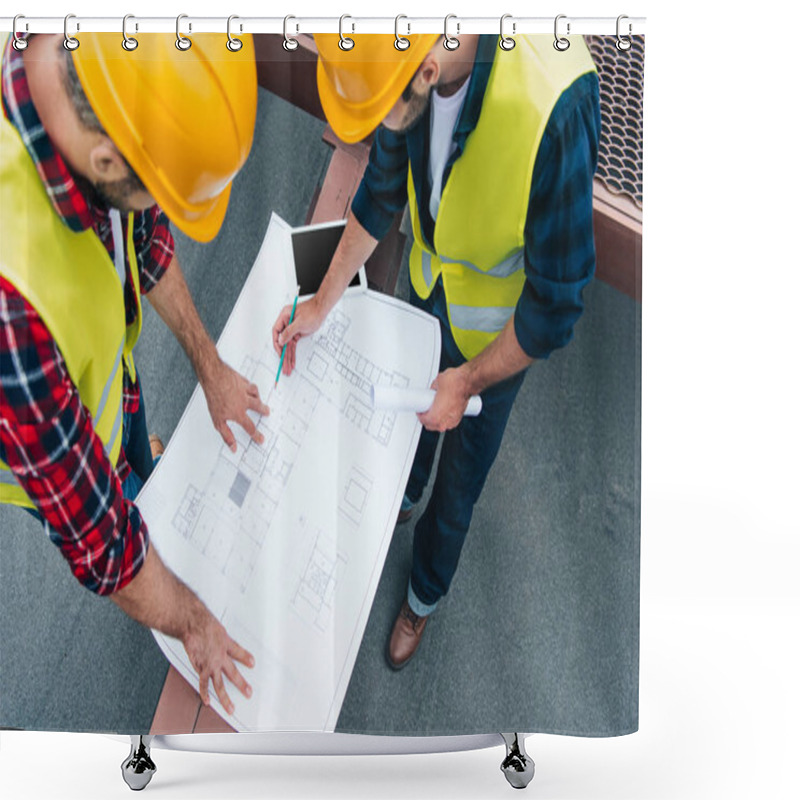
468	452
136	444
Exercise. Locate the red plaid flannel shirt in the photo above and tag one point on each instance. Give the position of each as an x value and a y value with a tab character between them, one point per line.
46	435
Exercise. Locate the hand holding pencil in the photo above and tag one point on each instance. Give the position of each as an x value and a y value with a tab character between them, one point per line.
294	322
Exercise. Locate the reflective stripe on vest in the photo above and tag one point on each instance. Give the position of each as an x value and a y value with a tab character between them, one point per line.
508	266
101	406
74	287
503	269
479	234
487	319
119	244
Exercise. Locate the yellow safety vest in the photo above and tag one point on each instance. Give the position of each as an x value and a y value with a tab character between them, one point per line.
72	283
479	236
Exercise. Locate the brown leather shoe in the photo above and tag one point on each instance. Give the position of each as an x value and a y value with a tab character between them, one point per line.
405	638
156	445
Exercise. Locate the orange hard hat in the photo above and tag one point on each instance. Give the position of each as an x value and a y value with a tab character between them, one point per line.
358	87
184	120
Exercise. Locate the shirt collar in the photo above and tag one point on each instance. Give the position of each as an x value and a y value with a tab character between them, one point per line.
69	202
481	69
417	138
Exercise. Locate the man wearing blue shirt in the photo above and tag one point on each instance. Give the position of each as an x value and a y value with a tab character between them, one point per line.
494	152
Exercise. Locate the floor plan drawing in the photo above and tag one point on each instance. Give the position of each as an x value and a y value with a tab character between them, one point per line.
333	363
355	494
284	540
316	586
244	489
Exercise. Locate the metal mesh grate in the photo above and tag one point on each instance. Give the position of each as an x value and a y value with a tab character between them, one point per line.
621	88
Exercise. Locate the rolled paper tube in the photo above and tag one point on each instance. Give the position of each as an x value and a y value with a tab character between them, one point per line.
394	398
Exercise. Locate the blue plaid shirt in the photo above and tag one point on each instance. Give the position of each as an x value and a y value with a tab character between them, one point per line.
559	238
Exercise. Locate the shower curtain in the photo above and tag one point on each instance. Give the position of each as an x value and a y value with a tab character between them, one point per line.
306	548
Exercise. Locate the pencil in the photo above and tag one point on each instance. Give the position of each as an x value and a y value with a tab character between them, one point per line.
283	352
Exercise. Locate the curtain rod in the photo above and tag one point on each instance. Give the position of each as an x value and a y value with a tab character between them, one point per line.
405	25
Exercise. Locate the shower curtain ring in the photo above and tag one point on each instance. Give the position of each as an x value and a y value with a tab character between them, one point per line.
561	43
451	42
507	42
345	42
233	44
129	43
289	42
400	42
70	42
181	42
17	43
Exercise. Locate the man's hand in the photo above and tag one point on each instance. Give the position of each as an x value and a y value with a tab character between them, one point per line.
307	320
213	654
353	250
230	396
452	395
500	360
157	598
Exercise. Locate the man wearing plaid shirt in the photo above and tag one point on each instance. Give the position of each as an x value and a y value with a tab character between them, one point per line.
49	443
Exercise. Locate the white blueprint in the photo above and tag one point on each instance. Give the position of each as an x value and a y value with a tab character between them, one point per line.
285	542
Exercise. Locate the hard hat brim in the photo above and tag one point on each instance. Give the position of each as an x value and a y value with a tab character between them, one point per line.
124	88
203	229
349	127
351	122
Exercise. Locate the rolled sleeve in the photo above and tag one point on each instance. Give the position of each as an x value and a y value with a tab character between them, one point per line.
559	233
154	245
383	191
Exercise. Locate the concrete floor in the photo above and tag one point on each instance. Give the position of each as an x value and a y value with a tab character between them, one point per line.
540	629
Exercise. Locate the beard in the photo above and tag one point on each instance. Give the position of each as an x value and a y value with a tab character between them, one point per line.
113	194
116	194
415	109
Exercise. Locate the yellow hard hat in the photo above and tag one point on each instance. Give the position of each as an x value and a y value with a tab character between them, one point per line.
184	120
358	87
